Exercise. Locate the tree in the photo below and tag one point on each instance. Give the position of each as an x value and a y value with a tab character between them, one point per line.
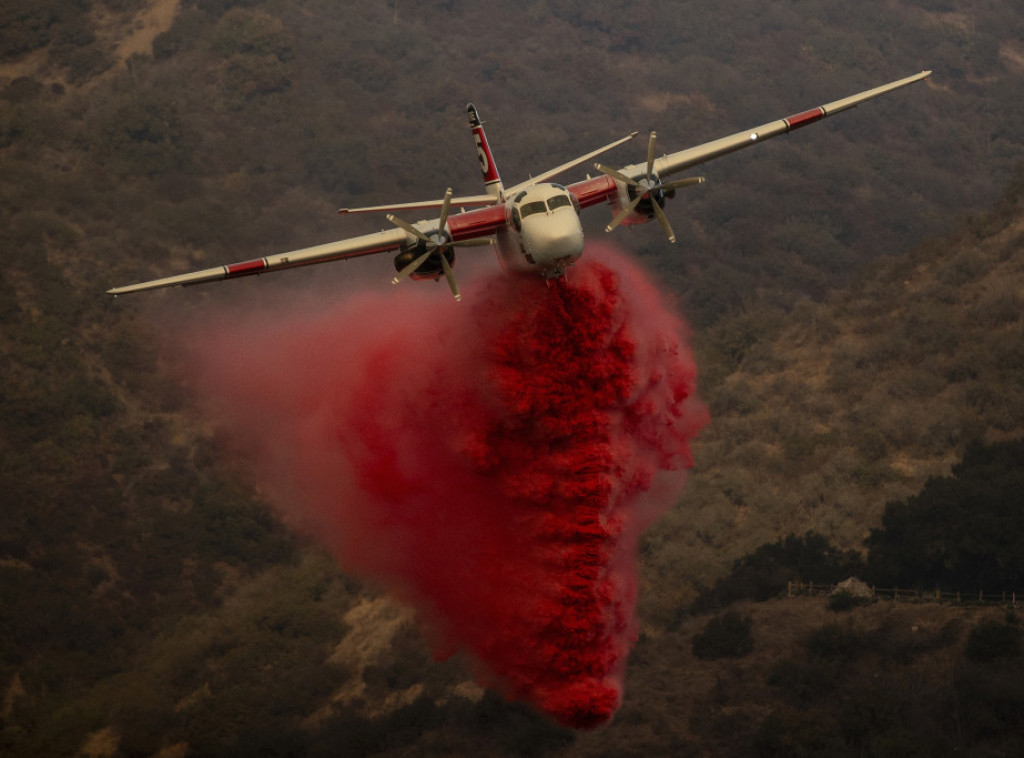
765	573
964	531
725	636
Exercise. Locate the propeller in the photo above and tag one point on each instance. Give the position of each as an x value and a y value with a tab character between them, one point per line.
437	243
648	187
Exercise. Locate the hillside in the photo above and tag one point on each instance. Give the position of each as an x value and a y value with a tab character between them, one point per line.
823	415
855	291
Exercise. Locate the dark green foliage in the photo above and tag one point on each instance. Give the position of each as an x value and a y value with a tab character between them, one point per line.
836	642
962	532
992	640
21	89
725	636
183	35
766	572
733	338
990	704
508	727
834	697
26	25
805	680
145	136
794	733
844	601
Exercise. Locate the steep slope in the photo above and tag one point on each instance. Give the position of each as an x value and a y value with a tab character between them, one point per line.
822	415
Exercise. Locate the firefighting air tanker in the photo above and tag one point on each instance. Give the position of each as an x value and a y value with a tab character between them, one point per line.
534	225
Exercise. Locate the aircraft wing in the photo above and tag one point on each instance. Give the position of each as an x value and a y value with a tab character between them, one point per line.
645	180
367	244
469	228
670	164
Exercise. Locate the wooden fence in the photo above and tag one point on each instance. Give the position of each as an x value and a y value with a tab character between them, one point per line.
904	595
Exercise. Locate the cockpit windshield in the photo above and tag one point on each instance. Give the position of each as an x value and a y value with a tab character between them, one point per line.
528	209
539	206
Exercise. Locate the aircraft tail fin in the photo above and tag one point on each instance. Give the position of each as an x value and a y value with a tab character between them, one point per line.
492	181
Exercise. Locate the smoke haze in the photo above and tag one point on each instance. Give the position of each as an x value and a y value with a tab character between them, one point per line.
491	462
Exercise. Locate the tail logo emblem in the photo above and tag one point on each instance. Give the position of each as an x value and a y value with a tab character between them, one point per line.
481	153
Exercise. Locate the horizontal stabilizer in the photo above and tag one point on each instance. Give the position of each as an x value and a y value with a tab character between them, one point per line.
470	201
566	166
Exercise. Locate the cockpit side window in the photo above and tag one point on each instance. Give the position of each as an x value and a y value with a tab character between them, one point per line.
537	206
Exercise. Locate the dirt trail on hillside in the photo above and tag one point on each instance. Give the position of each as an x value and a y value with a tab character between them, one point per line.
154	20
126	37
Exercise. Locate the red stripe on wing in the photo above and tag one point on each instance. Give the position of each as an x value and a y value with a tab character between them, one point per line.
805	118
246	267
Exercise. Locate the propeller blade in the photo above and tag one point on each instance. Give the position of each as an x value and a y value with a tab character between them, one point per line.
663	220
405	226
450	276
688	182
445	205
412	267
621	215
651	146
615	174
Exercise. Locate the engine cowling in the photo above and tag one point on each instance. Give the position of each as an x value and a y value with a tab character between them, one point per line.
649	191
646	193
431	268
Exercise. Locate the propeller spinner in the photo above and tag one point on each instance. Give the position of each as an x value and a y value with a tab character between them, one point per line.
648	187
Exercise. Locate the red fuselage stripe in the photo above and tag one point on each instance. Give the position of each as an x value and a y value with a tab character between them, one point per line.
805	118
248	267
593	191
479	223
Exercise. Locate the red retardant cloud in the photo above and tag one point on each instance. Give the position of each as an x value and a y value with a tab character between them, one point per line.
491	462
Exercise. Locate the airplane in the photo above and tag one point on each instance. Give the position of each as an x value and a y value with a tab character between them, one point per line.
534	225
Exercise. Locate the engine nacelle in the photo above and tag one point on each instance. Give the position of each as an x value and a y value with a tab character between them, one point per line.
431	268
645	207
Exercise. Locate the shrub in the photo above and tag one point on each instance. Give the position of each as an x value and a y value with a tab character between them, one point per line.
725	636
991	640
837	643
964	531
844	601
765	573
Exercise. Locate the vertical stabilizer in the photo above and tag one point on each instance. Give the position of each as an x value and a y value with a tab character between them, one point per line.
492	182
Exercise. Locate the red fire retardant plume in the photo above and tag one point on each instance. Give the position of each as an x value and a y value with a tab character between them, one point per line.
492	462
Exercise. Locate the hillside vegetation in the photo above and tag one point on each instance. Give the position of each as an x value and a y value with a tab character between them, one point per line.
824	414
856	293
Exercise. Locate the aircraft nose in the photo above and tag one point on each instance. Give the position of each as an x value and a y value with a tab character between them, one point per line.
555	237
